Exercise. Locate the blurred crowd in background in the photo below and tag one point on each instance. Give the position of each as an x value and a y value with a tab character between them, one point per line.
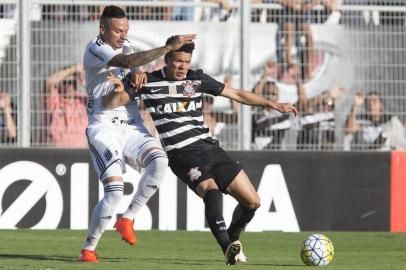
368	125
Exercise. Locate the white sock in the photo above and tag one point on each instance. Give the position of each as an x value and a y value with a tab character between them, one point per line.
103	213
149	183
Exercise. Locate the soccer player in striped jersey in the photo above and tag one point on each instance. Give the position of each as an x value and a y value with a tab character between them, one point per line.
117	136
173	96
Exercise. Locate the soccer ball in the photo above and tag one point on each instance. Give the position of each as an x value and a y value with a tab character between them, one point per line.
317	250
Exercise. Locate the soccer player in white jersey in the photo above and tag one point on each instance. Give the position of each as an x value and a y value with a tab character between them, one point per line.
173	96
118	136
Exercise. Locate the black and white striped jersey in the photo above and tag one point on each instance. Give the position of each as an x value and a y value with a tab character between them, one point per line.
176	106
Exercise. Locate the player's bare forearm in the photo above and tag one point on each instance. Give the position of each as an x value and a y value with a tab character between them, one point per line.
137	59
252	99
113	99
141	58
244	97
249	98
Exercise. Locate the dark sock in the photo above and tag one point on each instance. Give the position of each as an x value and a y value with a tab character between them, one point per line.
214	217
241	217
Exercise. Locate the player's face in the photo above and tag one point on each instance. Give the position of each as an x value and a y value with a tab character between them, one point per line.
178	65
115	32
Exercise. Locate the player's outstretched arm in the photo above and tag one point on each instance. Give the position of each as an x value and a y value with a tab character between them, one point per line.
141	58
249	98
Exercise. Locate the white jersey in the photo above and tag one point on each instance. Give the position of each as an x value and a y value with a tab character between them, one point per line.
95	59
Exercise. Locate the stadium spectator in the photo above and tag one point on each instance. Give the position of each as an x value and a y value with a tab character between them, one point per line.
393	17
194	156
317	119
222	13
295	22
8	131
66	108
69	12
256	13
117	136
7	11
218	112
291	74
182	13
269	126
148	12
329	14
373	129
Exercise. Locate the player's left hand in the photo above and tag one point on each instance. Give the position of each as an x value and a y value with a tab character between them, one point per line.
118	84
138	79
286	108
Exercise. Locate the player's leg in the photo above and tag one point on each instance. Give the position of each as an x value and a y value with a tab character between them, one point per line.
231	179
211	195
248	202
207	189
193	168
146	152
107	164
104	211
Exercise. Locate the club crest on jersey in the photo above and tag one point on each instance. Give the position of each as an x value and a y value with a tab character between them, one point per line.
194	173
188	89
107	154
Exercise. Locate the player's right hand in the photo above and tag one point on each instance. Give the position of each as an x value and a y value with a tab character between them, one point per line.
286	108
180	40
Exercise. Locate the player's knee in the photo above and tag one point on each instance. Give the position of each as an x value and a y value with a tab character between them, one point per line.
254	203
155	157
158	165
156	170
161	163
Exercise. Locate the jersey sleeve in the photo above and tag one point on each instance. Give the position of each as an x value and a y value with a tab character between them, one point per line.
102	53
211	86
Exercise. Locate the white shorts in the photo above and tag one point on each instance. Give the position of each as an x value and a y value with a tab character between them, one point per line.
113	146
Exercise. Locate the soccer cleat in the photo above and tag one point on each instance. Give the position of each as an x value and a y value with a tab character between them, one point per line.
240	257
125	227
87	255
231	252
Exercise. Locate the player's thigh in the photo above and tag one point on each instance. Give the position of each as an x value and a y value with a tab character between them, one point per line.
223	168
204	186
191	167
105	146
141	148
243	191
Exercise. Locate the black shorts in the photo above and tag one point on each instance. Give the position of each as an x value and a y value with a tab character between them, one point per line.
195	166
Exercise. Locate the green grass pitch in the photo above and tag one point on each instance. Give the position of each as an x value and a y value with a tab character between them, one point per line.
59	249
